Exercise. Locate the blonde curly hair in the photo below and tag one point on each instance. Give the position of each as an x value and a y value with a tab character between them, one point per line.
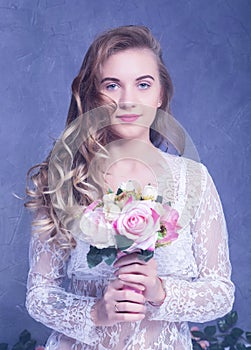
62	182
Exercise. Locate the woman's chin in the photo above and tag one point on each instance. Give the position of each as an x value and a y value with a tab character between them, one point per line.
129	131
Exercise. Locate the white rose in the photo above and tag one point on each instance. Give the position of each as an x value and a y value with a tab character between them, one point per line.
111	211
150	192
109	197
95	230
130	186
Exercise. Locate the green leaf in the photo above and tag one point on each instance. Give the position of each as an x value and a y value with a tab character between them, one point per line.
198	334
145	255
212	339
210	331
231	318
123	242
18	346
222	325
3	346
24	336
248	337
95	256
119	191
227	321
228	341
240	346
215	347
110	255
236	332
196	346
159	199
30	345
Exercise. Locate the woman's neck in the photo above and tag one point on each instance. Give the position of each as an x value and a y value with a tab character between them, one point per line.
131	160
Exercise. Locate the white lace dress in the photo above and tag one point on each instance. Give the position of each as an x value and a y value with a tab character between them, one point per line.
195	270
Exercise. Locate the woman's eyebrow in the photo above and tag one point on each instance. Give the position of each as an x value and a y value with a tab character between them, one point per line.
109	79
145	77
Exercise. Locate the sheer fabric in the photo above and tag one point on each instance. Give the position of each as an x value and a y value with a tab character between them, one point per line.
195	270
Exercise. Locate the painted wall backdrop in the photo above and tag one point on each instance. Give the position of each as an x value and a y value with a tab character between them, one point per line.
207	49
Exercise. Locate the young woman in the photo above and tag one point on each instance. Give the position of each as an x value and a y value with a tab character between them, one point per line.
188	280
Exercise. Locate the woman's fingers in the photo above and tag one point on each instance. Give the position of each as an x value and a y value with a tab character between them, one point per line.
144	275
148	285
129	294
128	317
134	280
133	264
119	304
119	284
123	293
136	287
116	284
134	272
107	314
129	259
141	276
135	268
128	307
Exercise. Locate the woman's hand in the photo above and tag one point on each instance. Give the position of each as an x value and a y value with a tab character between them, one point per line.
119	305
136	272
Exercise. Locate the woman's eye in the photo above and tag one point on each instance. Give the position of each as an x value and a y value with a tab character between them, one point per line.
111	87
144	86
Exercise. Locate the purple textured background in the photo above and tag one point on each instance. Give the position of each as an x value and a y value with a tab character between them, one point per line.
207	49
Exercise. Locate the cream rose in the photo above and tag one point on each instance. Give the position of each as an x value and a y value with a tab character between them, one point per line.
150	192
96	230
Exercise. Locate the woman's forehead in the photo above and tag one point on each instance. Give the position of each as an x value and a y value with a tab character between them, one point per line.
135	60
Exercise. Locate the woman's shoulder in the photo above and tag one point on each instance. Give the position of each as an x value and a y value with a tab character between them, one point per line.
190	175
184	163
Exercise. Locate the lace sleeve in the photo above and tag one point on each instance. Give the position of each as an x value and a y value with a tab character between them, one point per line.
211	294
48	302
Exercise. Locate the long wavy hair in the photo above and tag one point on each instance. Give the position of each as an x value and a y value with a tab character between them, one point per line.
63	183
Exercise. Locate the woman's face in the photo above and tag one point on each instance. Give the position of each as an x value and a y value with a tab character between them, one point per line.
131	79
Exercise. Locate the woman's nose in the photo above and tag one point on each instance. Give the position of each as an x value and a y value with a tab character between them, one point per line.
127	98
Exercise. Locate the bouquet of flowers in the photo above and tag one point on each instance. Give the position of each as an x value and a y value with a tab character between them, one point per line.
126	221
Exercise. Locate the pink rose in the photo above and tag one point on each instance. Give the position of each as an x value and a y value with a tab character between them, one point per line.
139	222
169	220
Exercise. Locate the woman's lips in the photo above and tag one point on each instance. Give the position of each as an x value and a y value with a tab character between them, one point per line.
128	118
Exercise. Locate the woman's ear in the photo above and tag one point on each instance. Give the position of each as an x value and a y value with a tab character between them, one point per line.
160	97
